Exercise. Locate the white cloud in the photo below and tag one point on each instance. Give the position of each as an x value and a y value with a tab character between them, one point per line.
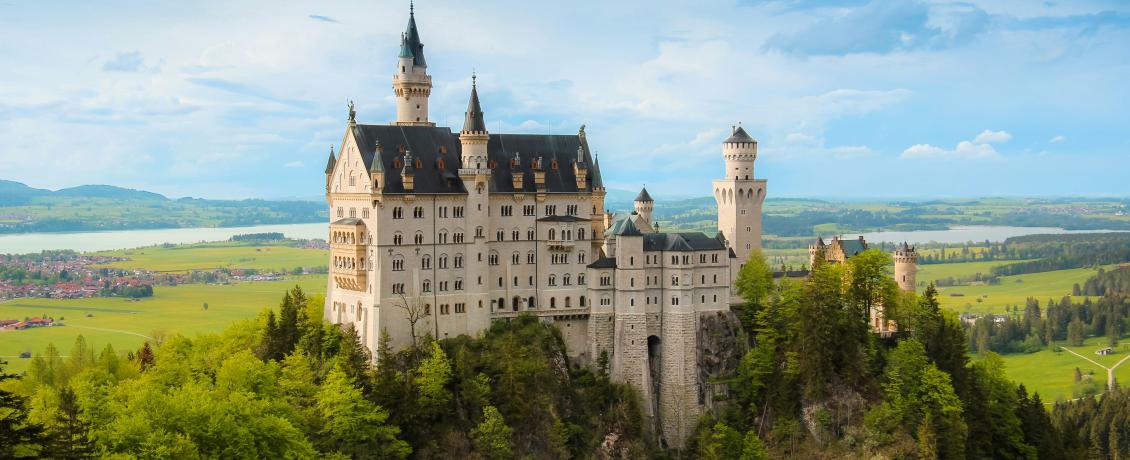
1058	139
294	164
964	150
992	137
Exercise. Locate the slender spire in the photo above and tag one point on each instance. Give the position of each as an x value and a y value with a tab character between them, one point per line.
378	164
410	45
474	114
331	162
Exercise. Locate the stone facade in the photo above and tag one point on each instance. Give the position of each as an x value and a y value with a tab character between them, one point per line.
439	233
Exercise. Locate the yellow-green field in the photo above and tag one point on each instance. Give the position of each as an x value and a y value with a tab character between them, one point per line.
125	324
1052	373
1012	290
207	256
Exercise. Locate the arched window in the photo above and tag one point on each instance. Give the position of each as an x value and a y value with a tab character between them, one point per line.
553	302
581	233
568	302
552	234
531	303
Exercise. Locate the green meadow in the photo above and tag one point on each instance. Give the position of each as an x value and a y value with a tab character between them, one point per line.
125	324
208	256
1052	373
1012	290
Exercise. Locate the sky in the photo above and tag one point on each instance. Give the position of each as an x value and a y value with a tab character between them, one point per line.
847	98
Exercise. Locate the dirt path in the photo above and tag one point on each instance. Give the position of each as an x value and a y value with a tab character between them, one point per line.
1109	370
119	331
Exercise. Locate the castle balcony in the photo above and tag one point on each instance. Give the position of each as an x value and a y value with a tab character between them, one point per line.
560	245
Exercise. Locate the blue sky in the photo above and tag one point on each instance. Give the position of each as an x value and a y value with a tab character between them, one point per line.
848	98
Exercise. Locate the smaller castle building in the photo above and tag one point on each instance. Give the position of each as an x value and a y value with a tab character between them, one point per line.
838	251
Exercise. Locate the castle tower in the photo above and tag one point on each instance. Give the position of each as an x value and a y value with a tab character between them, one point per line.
906	267
411	83
740	196
475	174
644	205
474	136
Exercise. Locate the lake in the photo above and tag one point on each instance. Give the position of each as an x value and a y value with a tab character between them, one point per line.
964	234
101	241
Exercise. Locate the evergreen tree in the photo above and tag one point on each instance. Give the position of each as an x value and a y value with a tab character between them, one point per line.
432	377
18	436
491	436
68	434
145	358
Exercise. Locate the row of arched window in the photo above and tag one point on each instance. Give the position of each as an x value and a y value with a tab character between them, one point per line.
530	303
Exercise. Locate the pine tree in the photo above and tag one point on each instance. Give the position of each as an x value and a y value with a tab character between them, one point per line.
17	434
145	358
491	436
68	436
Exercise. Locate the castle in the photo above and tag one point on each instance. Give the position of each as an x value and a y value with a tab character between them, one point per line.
440	233
838	251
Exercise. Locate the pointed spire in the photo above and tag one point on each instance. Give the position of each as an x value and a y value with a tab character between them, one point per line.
378	164
410	45
597	182
474	115
331	162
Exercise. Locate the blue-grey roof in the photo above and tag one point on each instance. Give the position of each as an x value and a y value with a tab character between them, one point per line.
562	219
739	135
410	45
690	241
331	162
623	227
603	262
426	142
644	196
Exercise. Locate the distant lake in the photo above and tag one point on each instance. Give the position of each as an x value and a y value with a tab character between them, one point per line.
964	234
122	239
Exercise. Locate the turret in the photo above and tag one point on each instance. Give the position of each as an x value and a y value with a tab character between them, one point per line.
377	169
906	267
411	82
474	135
740	151
644	205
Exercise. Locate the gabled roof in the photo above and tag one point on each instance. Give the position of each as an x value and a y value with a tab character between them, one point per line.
739	135
690	241
644	196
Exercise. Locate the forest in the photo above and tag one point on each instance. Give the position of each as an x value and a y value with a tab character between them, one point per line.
813	382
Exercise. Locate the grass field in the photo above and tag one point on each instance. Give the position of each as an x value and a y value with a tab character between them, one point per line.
207	256
1052	373
1012	290
125	324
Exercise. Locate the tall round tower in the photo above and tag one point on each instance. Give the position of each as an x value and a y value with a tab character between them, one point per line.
411	83
906	267
740	196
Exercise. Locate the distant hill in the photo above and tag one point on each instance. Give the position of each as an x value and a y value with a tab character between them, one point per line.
14	193
109	191
26	209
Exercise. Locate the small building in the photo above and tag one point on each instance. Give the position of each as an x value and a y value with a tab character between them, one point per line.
1104	351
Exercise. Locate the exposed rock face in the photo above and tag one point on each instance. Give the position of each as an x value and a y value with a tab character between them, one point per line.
720	350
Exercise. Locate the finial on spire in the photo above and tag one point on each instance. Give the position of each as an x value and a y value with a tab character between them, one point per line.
411	7
474	77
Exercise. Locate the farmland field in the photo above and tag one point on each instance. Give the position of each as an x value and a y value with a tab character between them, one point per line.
125	324
207	256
